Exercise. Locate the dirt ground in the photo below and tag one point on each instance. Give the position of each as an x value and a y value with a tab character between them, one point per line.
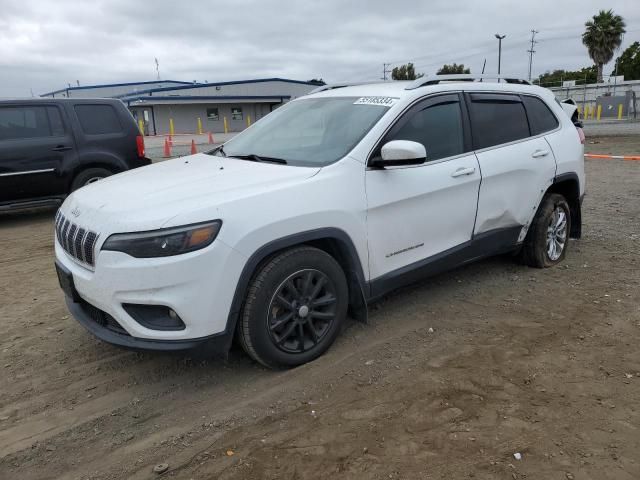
449	379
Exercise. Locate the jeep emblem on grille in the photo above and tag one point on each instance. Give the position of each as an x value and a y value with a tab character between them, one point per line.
75	212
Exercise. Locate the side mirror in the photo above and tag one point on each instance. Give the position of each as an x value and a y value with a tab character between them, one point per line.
401	152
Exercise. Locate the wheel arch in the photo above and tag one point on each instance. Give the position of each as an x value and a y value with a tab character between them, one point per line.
108	162
568	185
334	241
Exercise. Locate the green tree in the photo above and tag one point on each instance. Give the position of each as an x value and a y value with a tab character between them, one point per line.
453	69
317	81
405	72
629	63
555	78
603	34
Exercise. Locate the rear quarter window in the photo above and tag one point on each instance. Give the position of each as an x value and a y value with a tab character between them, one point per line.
98	119
541	118
497	119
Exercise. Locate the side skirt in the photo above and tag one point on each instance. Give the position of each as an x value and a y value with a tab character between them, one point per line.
25	204
484	245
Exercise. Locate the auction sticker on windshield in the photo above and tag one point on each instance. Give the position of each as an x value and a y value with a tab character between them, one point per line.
381	101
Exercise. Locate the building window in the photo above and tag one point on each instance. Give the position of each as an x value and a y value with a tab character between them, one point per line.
236	113
212	113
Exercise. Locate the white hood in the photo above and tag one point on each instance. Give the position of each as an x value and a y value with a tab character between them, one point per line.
149	197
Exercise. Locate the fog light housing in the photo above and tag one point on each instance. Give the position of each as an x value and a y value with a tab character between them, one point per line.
154	317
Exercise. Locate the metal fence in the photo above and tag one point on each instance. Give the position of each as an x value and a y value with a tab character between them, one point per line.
597	101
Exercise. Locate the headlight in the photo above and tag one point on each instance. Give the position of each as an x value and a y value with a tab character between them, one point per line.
164	242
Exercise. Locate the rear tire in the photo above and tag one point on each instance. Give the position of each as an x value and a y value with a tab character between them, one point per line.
88	176
294	309
548	238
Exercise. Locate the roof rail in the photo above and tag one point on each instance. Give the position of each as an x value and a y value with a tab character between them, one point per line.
333	86
464	77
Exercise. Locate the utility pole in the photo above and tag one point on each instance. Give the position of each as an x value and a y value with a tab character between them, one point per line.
157	68
500	38
531	50
385	71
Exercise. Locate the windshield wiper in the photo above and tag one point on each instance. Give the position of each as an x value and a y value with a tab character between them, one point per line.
255	158
216	150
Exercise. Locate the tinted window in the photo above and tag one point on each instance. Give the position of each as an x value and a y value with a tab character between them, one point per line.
497	119
540	117
55	121
438	128
98	119
23	122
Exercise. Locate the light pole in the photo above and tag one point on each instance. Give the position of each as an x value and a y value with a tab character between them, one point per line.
499	37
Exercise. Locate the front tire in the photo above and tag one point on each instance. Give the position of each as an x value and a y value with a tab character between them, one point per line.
548	238
295	308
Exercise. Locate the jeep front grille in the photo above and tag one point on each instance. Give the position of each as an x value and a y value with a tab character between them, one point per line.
76	241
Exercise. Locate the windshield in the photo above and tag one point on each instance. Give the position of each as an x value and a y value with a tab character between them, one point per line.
309	132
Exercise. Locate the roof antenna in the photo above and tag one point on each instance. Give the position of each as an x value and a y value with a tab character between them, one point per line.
483	67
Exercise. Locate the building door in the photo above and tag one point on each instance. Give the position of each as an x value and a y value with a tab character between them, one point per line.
146	115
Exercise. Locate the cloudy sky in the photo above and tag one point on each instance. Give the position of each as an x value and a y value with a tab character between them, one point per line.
46	44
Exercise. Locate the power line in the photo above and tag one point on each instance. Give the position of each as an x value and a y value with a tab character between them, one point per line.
516	43
485	46
531	50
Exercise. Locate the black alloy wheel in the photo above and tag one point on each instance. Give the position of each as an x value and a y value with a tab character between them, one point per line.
302	310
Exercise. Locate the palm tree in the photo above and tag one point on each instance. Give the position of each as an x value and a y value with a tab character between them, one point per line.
602	36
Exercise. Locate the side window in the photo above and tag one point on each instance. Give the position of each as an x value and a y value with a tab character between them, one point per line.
23	122
98	119
212	113
540	116
55	121
437	127
236	113
497	119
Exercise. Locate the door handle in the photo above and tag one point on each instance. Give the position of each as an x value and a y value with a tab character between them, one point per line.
540	153
463	171
61	148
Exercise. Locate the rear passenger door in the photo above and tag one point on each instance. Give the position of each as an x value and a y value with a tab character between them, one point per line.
516	161
35	147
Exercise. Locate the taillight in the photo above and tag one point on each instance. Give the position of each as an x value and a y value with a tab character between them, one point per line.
581	135
140	145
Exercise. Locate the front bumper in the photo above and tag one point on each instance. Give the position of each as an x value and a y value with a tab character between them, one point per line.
199	286
82	312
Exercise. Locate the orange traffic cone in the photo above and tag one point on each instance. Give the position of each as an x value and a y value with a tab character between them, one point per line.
167	149
210	137
193	147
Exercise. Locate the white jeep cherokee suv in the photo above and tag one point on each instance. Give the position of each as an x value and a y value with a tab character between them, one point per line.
327	203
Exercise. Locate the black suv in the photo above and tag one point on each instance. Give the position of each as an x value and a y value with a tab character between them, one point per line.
51	147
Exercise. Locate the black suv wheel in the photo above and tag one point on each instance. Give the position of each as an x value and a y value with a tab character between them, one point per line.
88	176
294	309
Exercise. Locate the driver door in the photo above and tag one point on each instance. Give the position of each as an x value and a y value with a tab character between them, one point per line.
417	214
